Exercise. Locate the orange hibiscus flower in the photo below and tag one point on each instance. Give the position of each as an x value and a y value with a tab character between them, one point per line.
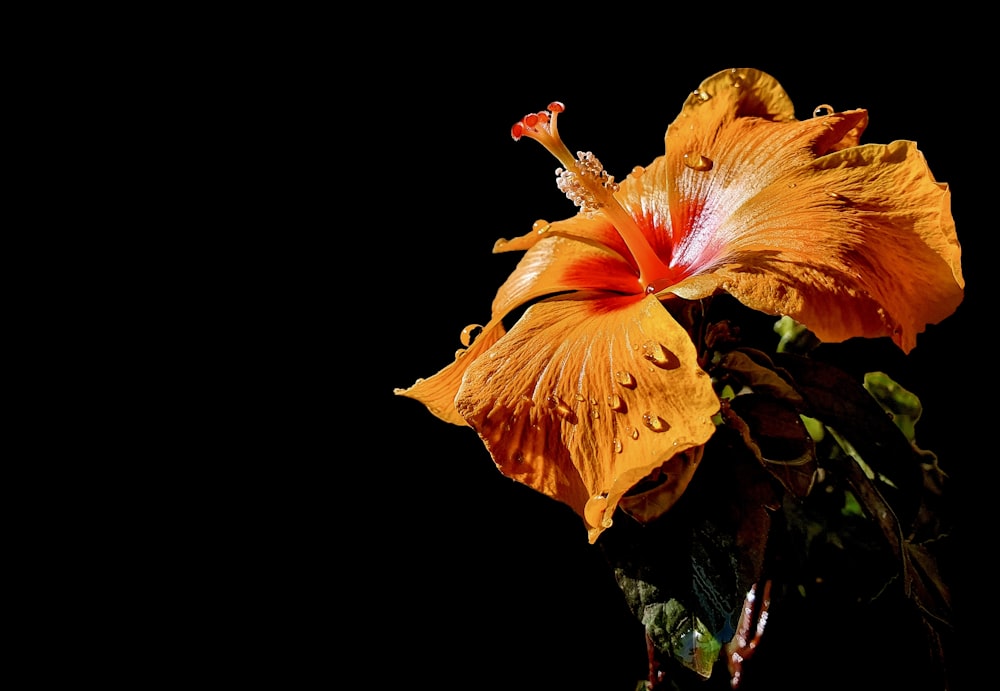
598	384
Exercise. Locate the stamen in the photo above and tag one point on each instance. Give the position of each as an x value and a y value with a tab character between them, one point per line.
585	182
541	127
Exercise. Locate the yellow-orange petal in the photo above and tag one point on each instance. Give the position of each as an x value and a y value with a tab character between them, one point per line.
740	92
667	485
438	391
590	228
554	264
794	217
558	264
694	157
860	242
583	398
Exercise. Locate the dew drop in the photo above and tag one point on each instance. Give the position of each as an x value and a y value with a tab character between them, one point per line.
659	356
822	110
560	408
655	422
593	512
638	171
625	379
616	403
736	78
698	161
836	195
701	95
469	334
618	445
634	433
541	226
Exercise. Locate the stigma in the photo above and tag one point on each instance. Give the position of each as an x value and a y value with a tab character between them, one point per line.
584	181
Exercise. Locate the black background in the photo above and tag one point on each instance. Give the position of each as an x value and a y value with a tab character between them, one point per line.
468	580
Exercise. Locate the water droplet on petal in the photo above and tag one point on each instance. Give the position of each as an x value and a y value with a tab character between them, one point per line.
660	356
625	379
594	510
469	334
701	95
540	226
616	403
618	445
560	408
655	422
634	433
638	171
698	161
836	195
822	110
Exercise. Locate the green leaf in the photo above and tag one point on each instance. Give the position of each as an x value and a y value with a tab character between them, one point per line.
795	338
902	405
676	632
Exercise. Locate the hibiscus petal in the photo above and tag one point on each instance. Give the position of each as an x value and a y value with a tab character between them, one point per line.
737	93
795	218
582	399
554	264
558	264
438	392
591	228
860	242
